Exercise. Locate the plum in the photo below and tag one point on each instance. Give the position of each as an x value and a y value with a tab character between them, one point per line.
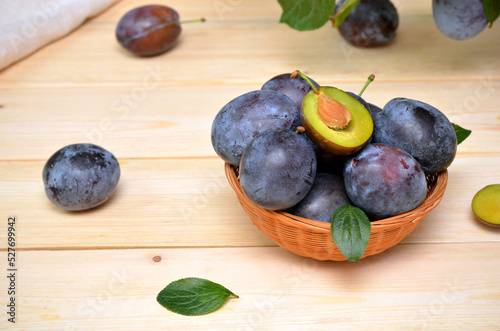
361	100
295	88
371	23
326	195
384	181
459	19
148	30
277	169
80	176
486	205
244	117
334	120
374	110
419	129
330	163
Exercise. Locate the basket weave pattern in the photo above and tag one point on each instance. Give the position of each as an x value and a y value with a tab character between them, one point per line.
313	239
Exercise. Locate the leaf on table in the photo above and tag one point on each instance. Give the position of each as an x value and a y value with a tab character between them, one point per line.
193	296
306	15
343	11
350	230
461	133
492	10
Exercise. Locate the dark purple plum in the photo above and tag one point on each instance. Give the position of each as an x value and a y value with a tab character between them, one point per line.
326	195
419	129
371	23
244	117
316	148
295	88
374	110
384	181
277	169
459	19
360	99
330	163
80	176
148	30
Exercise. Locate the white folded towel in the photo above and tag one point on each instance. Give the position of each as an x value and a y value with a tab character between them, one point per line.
27	25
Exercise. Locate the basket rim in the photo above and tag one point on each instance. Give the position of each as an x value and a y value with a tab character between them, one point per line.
433	198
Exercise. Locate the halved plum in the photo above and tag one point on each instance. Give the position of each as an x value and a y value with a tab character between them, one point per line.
336	121
486	205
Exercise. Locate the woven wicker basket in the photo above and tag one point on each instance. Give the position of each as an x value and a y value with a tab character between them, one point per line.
311	238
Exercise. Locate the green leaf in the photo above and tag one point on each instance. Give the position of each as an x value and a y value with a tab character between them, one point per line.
350	229
343	11
193	296
461	133
492	10
305	15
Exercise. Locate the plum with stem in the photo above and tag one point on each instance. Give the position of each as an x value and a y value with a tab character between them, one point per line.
334	120
371	23
149	30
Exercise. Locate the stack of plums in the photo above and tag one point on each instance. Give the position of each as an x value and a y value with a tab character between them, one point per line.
308	149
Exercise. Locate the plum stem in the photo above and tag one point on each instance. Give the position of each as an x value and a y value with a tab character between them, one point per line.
198	20
304	77
300	129
368	81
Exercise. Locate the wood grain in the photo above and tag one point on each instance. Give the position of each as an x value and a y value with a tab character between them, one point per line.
165	122
188	202
412	287
94	270
232	50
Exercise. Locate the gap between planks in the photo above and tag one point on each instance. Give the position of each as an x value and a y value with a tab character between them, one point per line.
111	85
202	157
102	248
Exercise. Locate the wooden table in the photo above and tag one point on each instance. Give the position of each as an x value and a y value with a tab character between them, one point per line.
174	214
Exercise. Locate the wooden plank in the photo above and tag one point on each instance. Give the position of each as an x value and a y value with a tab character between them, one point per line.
158	203
410	287
130	122
161	121
233	51
188	202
